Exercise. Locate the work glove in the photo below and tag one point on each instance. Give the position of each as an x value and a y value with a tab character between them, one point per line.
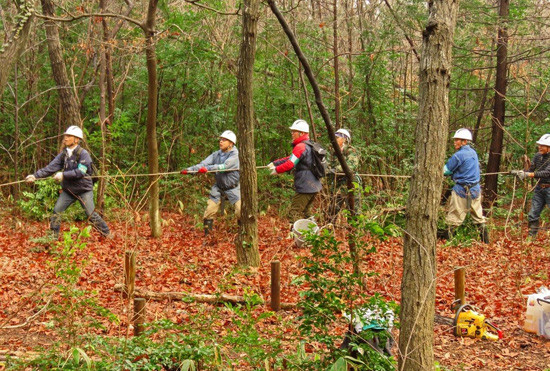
271	166
522	175
203	170
184	172
30	179
58	176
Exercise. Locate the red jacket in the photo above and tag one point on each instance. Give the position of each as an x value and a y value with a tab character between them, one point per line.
301	160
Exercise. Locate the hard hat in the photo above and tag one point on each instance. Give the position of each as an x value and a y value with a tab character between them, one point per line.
75	131
300	125
230	136
463	134
344	133
544	140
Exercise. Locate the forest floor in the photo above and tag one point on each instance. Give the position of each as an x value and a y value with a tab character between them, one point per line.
497	278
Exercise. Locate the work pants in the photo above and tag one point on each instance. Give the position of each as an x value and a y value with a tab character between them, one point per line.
212	208
301	206
458	209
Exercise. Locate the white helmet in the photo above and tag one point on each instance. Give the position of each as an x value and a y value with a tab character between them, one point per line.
544	140
75	131
300	125
463	134
344	133
230	136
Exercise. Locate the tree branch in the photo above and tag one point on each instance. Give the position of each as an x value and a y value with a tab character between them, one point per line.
196	3
72	18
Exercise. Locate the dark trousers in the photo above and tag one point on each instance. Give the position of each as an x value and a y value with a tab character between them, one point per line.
85	199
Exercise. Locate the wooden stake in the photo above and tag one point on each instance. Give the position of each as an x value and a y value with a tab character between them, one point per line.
139	316
275	285
129	274
460	282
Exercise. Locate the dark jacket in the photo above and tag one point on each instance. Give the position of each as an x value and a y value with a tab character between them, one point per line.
301	160
75	180
541	167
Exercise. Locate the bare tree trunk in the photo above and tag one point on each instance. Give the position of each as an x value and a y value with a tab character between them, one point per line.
499	108
337	119
15	45
152	146
100	197
105	99
247	239
16	138
419	264
67	97
481	112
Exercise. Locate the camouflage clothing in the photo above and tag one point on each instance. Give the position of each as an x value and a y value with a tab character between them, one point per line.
337	181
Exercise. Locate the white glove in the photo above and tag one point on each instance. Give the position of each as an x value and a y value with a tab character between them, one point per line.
273	171
30	179
522	175
271	166
58	176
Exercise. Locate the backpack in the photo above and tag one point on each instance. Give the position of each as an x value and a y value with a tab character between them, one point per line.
319	163
91	172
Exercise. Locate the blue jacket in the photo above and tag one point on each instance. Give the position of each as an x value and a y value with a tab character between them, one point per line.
75	180
464	166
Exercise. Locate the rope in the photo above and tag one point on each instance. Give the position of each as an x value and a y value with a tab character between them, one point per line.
135	175
219	171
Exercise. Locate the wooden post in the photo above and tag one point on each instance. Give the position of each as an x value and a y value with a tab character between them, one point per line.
275	285
460	282
129	274
139	315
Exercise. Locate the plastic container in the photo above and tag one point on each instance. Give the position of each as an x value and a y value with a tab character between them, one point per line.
300	227
537	316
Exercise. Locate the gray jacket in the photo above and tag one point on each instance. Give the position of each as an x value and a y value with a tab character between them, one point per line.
226	181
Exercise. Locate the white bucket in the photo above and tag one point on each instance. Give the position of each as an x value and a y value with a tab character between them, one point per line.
537	316
300	227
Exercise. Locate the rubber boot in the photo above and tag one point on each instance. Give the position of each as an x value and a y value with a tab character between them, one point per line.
208	225
483	233
55	226
533	228
443	234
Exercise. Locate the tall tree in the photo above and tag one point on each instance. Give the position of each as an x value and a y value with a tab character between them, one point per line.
499	106
328	124
67	96
419	259
247	239
152	92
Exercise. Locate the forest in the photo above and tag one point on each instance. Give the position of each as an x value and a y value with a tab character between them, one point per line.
153	84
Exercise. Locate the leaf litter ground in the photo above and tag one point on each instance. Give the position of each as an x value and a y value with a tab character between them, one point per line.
497	278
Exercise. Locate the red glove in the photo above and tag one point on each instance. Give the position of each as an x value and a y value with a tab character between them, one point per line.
184	172
203	170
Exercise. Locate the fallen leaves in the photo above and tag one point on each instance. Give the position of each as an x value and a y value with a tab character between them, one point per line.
496	278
